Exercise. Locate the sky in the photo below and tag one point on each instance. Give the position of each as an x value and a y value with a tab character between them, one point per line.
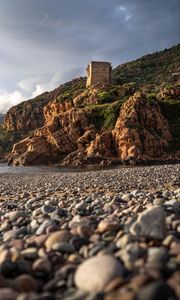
44	43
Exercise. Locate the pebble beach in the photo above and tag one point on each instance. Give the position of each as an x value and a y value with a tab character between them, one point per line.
97	235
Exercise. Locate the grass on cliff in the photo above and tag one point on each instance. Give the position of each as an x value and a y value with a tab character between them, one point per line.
8	138
107	96
71	90
171	110
104	116
5	137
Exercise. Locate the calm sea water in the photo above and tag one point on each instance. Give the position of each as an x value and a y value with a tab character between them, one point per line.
5	169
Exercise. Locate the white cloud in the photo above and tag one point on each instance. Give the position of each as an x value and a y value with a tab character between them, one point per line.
52	22
27	85
124	11
7	100
28	88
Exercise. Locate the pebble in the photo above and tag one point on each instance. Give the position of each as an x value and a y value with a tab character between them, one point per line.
57	237
99	270
156	290
96	235
7	294
150	224
24	283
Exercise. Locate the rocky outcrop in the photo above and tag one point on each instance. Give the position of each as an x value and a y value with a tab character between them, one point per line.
141	131
169	93
27	115
69	135
91	95
102	145
32	151
64	132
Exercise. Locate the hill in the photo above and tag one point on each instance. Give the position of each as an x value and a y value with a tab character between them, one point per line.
74	125
152	69
1	118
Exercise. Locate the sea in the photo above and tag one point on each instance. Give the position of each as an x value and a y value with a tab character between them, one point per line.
5	169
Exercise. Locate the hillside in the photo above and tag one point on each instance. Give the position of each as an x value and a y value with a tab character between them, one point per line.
1	118
75	125
152	69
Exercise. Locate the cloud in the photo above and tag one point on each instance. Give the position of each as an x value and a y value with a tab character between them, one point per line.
45	43
31	87
26	89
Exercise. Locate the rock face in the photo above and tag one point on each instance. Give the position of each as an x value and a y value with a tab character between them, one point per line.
27	115
141	131
31	151
69	133
102	145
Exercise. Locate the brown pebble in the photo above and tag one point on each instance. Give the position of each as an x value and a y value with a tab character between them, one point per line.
121	295
114	284
57	237
7	294
24	283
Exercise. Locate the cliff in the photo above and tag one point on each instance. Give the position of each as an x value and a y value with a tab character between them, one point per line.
136	120
141	131
70	134
1	118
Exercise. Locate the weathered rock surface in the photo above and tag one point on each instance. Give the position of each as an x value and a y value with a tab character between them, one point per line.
141	131
69	134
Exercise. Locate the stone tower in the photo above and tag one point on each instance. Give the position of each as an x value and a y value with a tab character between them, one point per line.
98	72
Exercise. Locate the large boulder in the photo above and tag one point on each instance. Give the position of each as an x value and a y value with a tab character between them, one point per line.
30	151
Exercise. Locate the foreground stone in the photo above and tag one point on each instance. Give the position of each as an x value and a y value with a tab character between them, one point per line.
96	272
150	224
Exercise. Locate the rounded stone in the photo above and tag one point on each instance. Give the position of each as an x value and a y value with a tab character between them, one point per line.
107	225
57	237
7	294
41	265
155	291
158	202
24	283
46	209
96	272
150	224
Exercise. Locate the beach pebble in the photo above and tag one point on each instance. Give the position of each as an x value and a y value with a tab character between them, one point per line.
99	270
57	237
150	224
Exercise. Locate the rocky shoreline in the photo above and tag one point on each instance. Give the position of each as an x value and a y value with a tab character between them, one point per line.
99	235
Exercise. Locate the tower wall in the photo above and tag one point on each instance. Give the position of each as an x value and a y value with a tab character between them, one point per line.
98	72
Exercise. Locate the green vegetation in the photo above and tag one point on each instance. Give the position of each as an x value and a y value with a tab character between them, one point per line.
104	116
155	69
71	89
171	110
108	95
8	138
5	137
1	118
